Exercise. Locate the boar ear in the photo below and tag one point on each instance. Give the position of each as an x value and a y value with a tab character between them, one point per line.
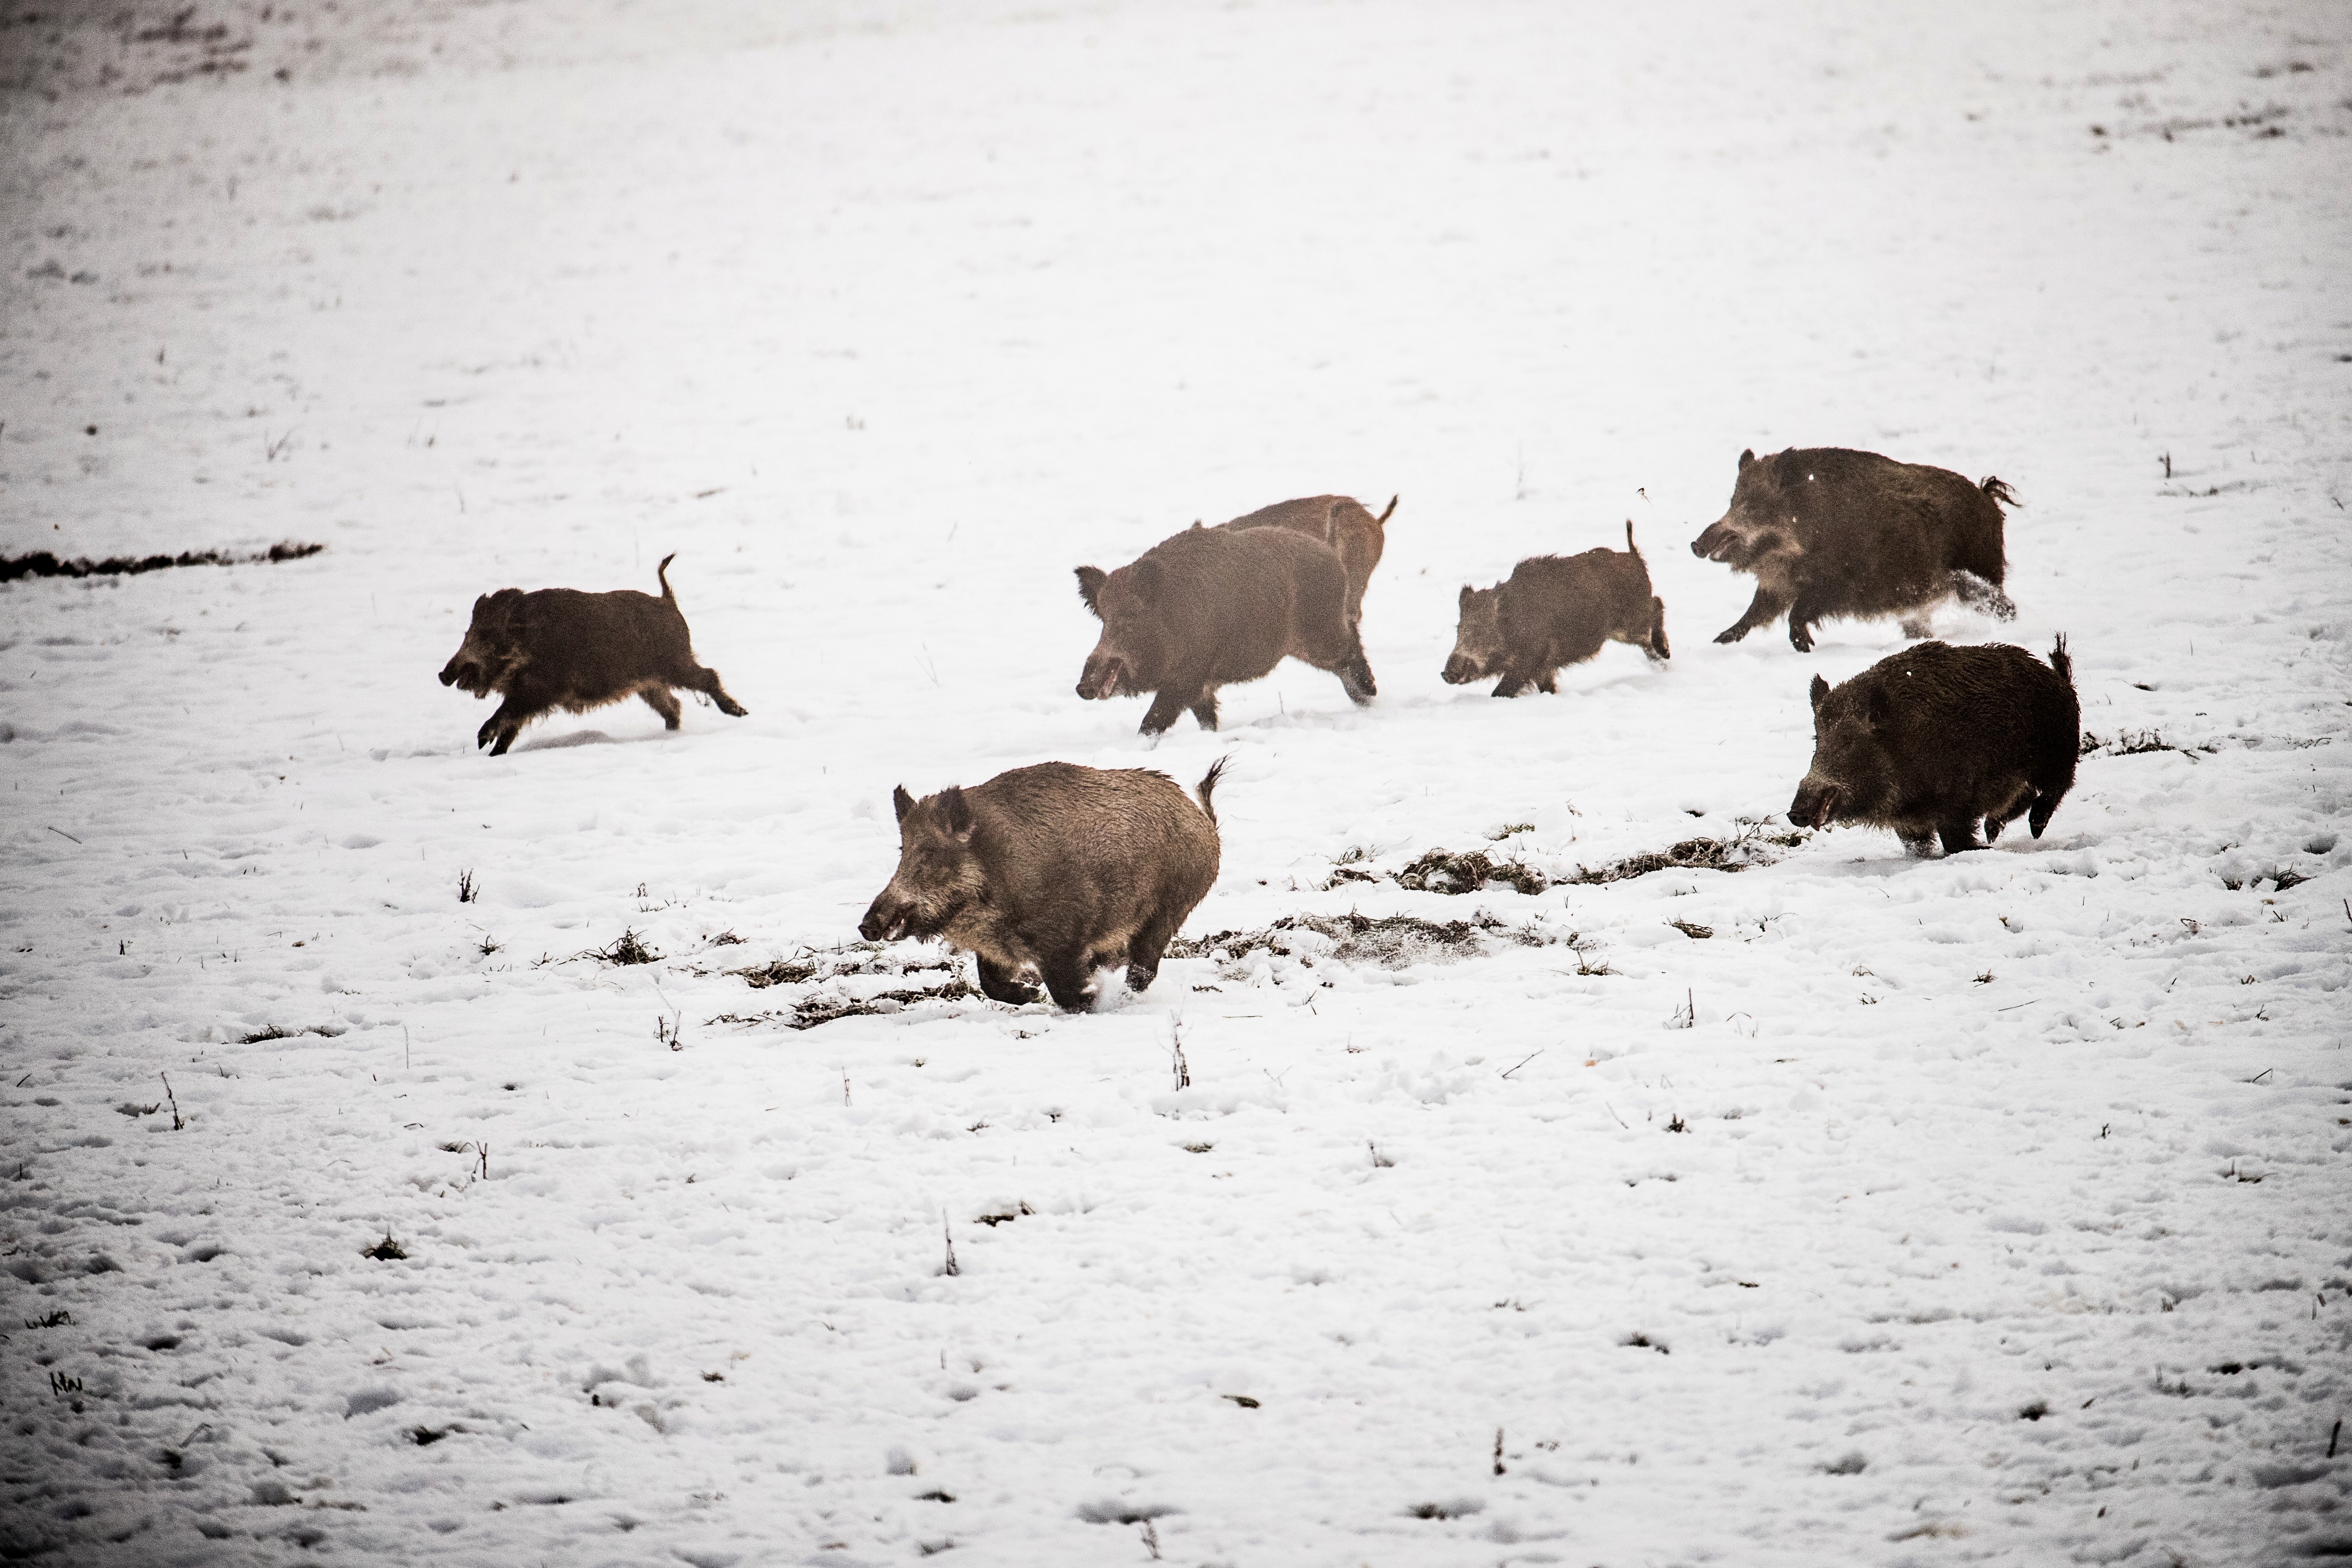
958	810
901	802
1144	578
1820	689
1090	582
1747	457
1468	593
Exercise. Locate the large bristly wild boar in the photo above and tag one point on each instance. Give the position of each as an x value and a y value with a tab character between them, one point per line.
1932	739
1054	871
1827	531
559	647
1556	610
1340	521
1210	606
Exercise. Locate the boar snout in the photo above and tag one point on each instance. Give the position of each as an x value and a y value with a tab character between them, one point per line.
885	920
1104	676
1715	544
1460	671
1814	804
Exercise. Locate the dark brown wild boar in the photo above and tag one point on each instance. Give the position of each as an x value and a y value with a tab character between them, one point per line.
1931	740
1054	871
1345	524
1556	610
559	647
1210	606
1827	531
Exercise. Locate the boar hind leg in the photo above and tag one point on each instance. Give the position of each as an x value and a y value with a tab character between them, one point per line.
1656	646
1356	674
659	699
2044	803
706	681
1762	610
1205	710
1143	955
1916	845
1000	984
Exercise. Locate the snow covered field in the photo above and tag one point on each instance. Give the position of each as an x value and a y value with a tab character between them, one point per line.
1922	1212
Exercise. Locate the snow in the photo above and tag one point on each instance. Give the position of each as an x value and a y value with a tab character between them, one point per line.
1973	1208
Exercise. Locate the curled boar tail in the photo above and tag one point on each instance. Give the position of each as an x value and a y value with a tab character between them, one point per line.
2060	662
662	571
1384	519
2000	491
1208	787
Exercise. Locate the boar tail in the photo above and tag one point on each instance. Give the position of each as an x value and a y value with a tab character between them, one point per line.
1633	549
2061	662
1384	519
1207	788
662	571
2000	491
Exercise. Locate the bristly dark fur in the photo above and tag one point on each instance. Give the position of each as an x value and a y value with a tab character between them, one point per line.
1556	610
559	647
1340	521
1829	531
1212	607
1934	738
1053	871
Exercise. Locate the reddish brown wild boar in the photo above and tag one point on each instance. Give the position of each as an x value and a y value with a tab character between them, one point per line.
1053	871
1556	610
1345	524
559	647
1210	606
1932	739
1827	531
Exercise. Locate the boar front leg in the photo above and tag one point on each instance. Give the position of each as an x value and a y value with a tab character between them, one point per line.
1170	700
1002	984
1068	982
507	723
660	701
1762	610
1205	710
1958	837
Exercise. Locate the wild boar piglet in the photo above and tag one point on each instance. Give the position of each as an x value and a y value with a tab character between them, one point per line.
1556	610
1828	532
1052	872
1212	607
1934	738
559	647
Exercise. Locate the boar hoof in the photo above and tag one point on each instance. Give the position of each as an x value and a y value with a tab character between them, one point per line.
1800	638
1003	985
1730	634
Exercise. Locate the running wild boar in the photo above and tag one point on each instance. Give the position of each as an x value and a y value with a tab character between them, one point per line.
1932	739
1556	610
1345	524
1052	872
1212	607
559	647
1826	532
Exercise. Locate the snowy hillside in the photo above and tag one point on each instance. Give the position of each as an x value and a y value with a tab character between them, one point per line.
1796	1203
